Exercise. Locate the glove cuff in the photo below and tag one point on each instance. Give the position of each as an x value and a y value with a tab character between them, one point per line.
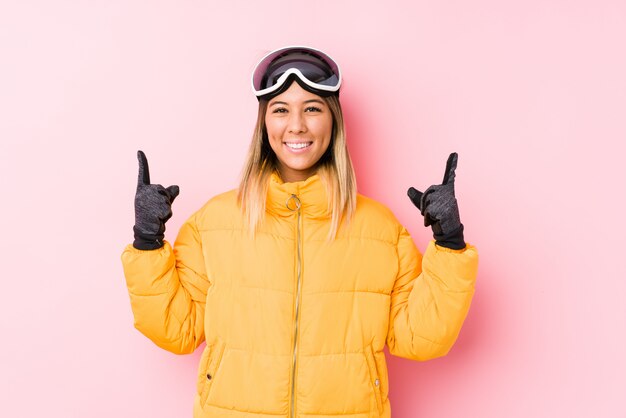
453	240
145	241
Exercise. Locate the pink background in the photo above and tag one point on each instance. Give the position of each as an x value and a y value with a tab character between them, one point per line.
531	94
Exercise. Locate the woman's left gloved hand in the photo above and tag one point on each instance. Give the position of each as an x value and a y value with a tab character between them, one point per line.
439	207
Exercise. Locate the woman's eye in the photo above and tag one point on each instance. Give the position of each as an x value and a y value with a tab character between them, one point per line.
280	110
313	109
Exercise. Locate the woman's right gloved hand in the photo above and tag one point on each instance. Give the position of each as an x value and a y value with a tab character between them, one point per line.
153	207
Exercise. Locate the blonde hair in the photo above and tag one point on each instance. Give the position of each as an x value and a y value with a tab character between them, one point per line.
334	168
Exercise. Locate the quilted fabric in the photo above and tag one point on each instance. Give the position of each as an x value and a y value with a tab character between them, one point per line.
295	325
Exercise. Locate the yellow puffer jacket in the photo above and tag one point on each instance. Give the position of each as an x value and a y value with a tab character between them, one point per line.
295	325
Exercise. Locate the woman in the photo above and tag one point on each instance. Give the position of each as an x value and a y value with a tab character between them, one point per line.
294	280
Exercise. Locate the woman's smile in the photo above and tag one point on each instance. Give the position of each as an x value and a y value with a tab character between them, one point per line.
298	146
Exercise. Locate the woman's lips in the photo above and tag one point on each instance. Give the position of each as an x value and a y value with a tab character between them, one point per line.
297	146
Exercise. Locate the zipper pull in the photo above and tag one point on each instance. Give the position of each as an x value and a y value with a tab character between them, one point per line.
293	203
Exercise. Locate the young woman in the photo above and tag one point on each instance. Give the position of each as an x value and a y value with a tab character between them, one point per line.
294	280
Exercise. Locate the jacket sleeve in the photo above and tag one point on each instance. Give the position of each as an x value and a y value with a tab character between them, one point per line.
167	289
430	298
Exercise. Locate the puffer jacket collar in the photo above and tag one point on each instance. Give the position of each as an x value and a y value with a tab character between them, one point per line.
310	192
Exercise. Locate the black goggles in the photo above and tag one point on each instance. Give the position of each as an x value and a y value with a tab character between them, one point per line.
311	68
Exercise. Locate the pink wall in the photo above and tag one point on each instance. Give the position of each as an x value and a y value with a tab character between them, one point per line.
532	95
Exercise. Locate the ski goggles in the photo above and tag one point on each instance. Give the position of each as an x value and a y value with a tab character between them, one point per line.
311	68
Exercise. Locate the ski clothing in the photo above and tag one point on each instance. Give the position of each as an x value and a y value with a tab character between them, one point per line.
295	325
153	207
440	209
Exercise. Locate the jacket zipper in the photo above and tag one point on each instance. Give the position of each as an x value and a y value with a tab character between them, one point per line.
296	208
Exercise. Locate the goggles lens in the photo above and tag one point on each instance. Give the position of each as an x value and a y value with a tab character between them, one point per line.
314	68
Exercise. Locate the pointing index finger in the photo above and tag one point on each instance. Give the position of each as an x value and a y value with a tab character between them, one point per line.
144	171
450	168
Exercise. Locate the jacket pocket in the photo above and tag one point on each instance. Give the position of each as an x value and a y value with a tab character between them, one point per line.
209	367
375	378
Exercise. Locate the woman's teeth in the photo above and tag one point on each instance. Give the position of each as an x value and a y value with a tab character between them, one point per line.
298	145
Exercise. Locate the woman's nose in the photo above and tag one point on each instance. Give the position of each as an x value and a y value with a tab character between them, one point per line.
296	123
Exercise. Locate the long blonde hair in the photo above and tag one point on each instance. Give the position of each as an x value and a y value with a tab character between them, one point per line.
334	168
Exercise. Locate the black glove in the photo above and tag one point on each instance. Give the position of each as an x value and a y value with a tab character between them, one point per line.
440	209
153	207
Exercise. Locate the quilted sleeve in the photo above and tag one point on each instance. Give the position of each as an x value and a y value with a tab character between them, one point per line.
167	289
430	298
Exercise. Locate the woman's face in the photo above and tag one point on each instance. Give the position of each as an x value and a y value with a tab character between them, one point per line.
299	127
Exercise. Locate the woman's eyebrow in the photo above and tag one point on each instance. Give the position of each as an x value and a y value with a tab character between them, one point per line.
306	101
